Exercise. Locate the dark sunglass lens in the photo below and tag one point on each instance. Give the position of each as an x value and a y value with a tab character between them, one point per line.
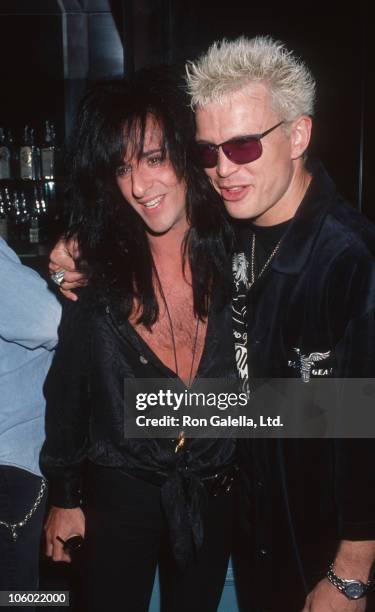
243	151
206	156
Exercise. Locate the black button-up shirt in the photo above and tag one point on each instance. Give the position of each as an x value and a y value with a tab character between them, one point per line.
86	405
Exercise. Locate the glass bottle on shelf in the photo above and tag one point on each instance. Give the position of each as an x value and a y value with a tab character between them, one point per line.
44	222
14	156
47	153
38	218
43	204
36	157
35	233
14	220
7	201
26	164
29	156
5	156
20	222
24	217
3	219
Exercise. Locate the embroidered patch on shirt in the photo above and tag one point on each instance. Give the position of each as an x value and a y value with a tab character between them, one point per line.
307	364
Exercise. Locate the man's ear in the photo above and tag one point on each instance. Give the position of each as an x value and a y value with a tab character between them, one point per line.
300	136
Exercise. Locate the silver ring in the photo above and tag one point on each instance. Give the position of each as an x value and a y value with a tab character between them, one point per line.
58	277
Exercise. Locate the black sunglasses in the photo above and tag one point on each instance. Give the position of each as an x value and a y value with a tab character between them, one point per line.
242	150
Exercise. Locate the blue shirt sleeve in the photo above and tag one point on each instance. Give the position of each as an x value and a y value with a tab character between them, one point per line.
29	312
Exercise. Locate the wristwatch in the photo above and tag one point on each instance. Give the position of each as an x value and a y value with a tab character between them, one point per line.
352	589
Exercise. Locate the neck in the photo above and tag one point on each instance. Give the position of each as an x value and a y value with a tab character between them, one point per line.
167	248
287	206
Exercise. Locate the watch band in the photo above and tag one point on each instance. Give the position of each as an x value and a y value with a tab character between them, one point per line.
352	589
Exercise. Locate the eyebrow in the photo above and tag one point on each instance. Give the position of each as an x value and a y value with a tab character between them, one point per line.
151	152
146	154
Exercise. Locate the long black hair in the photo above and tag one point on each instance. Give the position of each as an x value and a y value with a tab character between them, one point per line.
112	237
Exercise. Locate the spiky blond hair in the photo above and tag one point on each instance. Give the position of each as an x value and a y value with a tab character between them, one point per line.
229	66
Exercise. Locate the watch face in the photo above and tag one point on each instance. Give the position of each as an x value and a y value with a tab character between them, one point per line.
354	590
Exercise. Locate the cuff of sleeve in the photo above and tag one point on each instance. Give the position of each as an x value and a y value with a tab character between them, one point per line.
357	531
65	493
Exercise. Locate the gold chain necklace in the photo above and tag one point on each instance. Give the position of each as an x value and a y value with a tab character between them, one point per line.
181	435
252	267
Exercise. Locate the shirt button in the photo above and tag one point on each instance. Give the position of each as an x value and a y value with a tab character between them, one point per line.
263	552
260	484
143	360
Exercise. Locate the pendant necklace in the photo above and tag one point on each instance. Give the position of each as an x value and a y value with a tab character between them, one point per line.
181	436
252	268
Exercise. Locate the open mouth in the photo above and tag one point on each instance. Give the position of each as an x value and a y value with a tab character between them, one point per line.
233	193
232	188
152	203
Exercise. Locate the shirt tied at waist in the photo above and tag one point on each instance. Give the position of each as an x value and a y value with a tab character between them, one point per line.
184	497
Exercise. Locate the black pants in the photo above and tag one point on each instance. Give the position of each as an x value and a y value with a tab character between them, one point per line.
19	560
126	538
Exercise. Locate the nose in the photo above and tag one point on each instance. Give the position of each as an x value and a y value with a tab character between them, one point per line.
224	166
141	181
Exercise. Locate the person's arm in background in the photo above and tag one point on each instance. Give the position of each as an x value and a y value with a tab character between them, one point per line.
29	312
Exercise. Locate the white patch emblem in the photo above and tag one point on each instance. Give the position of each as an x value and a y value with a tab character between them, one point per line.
307	361
239	267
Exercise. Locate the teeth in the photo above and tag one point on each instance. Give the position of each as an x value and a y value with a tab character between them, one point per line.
233	188
153	203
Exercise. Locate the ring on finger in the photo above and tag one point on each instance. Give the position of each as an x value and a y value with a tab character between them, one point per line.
58	277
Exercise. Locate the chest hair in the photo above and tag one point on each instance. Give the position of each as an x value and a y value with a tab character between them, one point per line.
179	299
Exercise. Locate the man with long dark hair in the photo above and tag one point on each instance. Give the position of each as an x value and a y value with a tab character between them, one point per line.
155	239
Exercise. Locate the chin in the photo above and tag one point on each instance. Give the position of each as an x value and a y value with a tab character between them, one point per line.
238	211
162	225
158	228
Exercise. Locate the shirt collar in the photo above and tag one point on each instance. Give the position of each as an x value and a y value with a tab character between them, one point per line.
303	231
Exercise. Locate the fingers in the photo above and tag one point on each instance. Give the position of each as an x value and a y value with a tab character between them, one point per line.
70	295
54	549
53	267
73	248
63	256
58	553
60	259
49	547
62	524
72	280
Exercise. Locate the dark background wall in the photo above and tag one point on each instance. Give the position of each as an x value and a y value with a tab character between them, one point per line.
51	49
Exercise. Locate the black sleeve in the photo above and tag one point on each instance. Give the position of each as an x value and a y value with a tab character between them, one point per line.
355	355
67	412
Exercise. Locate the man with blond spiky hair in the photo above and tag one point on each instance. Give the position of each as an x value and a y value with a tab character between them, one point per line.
303	307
